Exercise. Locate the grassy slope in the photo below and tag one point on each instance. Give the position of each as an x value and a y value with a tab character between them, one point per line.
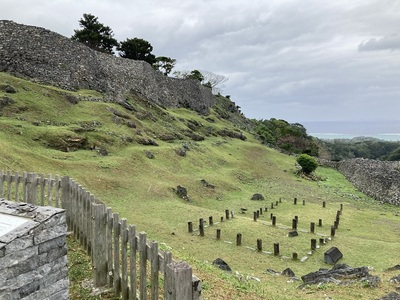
141	189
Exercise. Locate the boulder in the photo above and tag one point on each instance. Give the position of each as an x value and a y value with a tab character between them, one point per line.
257	197
222	265
288	272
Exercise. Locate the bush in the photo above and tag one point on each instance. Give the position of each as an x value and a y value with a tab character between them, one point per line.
308	163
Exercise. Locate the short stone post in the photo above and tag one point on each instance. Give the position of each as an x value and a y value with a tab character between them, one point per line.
332	231
259	245
239	239
276	249
294	224
313	244
190	227
312	227
201	227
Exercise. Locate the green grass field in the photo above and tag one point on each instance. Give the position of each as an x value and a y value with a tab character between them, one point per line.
142	191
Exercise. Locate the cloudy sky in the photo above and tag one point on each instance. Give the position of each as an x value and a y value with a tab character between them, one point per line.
309	60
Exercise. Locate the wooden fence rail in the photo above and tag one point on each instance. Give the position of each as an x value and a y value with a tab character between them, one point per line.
122	258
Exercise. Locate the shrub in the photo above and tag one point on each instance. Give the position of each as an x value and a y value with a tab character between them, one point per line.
308	163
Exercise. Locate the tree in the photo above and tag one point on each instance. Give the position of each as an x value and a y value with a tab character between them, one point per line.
213	81
95	35
164	64
308	163
196	75
137	49
206	78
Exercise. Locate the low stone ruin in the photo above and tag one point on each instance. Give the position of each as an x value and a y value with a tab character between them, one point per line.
341	274
33	252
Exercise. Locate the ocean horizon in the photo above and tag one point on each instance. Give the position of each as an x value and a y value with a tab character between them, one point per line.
334	136
383	130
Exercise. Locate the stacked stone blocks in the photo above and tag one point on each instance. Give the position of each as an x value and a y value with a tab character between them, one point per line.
33	256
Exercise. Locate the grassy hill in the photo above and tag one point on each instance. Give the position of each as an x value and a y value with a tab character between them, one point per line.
106	148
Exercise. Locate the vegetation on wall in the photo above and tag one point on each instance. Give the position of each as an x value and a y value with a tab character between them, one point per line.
362	147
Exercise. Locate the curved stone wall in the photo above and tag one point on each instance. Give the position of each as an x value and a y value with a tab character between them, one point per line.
50	58
378	179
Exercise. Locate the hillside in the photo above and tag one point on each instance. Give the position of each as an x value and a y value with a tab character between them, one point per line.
109	150
133	154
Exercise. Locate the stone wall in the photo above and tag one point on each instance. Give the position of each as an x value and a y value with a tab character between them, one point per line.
377	179
33	255
50	58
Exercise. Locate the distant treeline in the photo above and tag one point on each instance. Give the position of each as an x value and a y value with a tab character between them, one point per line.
361	147
293	138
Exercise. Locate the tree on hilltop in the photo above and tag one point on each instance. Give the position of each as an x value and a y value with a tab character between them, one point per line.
207	78
137	49
164	64
95	35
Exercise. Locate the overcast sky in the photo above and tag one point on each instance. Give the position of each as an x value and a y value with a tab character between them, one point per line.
308	60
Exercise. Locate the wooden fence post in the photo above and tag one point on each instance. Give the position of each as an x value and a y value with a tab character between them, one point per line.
124	259
178	281
273	220
99	250
154	270
117	274
109	245
143	265
65	199
32	189
167	261
210	221
132	260
1	184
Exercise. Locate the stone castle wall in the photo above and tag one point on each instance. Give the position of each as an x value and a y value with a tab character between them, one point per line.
50	58
33	256
377	179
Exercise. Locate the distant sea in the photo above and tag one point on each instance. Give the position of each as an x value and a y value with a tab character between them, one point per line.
383	130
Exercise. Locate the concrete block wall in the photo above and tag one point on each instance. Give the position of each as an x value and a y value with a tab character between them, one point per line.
33	255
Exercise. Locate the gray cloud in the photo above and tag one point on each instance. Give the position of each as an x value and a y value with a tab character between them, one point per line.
294	60
383	43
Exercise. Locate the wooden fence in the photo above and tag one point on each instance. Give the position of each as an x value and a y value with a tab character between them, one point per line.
122	258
